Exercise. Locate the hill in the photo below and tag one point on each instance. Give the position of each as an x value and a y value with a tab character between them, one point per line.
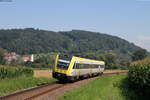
85	41
29	40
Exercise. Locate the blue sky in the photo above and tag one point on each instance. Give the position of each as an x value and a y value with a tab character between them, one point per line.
129	19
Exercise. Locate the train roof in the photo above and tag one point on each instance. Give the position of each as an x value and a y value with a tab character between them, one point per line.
80	59
87	61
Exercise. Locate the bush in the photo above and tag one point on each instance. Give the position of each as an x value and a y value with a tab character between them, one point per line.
139	75
12	72
2	60
116	66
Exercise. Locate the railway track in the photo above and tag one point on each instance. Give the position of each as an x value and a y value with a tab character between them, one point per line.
49	91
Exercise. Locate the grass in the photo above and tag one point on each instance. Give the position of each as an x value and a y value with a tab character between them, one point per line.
41	68
112	87
10	85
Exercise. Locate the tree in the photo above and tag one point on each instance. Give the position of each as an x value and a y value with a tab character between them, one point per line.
2	61
139	54
110	58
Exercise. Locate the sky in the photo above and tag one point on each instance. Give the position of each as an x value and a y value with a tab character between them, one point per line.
128	19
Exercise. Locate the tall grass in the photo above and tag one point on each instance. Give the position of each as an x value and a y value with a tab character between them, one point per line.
139	75
145	61
10	85
12	72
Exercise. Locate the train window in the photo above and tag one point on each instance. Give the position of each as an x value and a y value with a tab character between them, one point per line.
82	66
75	66
62	65
86	66
102	66
95	66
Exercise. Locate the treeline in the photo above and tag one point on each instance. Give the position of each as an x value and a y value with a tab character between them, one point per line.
42	61
112	60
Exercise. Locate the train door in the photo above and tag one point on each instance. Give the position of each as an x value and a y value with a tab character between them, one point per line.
78	70
99	67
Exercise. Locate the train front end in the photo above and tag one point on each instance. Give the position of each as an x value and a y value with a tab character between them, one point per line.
61	69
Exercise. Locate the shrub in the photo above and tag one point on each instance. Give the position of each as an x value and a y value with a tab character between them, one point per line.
2	60
139	75
12	72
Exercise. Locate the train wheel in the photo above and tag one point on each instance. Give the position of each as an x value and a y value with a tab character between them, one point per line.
73	79
101	74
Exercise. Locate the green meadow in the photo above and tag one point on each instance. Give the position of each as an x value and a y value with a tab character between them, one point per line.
112	87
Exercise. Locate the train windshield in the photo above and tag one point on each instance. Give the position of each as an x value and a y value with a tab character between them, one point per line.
63	64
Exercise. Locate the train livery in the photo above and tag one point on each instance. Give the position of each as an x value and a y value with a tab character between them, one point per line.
74	68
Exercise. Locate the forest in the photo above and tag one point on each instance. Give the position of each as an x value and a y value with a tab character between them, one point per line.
29	40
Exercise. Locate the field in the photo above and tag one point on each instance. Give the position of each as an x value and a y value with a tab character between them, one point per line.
18	78
13	72
10	85
112	87
42	73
